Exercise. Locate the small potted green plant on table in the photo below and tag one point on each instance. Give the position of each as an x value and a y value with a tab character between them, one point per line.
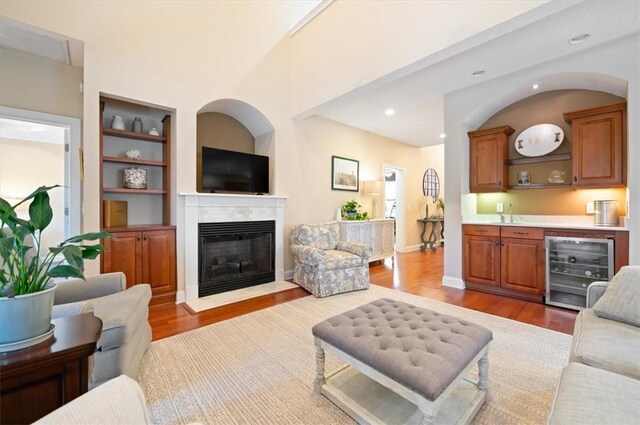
27	272
350	211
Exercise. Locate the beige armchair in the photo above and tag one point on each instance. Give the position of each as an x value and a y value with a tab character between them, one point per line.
324	265
126	333
119	401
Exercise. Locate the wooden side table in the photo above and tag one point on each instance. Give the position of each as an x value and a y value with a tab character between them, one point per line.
37	380
431	240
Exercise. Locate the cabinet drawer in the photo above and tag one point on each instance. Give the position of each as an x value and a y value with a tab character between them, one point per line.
480	230
522	232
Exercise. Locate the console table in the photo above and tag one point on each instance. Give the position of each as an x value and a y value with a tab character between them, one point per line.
37	380
431	240
378	233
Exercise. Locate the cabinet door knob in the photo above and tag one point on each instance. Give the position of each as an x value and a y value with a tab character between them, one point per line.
502	243
145	237
500	183
497	242
575	179
138	237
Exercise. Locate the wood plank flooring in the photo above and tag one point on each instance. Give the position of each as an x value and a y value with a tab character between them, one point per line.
419	273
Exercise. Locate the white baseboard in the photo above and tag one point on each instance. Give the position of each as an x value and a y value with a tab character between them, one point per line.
180	298
288	274
453	282
411	248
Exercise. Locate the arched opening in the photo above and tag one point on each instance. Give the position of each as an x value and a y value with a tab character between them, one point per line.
561	81
235	126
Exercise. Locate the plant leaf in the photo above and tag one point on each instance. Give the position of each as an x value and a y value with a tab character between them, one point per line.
88	237
65	271
40	211
91	252
41	189
73	255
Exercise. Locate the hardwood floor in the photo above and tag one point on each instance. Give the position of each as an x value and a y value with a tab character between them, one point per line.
419	273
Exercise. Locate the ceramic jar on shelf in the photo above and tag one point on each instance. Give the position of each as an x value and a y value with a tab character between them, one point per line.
117	123
135	178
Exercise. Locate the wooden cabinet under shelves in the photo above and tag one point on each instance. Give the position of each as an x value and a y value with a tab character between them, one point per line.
147	255
508	260
599	147
488	152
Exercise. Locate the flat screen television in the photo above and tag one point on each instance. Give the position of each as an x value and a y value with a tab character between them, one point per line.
228	171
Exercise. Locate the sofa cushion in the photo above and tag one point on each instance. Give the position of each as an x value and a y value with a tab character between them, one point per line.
337	260
322	236
121	315
606	344
621	300
587	395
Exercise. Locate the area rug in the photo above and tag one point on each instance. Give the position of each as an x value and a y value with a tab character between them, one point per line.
259	368
218	300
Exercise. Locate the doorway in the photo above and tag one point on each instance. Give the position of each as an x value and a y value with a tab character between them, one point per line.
394	202
38	149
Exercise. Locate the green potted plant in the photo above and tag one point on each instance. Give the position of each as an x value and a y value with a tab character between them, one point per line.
440	205
350	211
27	272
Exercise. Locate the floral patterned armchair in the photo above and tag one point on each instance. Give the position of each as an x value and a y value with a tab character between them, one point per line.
324	265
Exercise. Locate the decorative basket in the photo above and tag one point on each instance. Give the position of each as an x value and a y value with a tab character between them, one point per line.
135	178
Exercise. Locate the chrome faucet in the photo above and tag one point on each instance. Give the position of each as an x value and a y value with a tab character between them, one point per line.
510	214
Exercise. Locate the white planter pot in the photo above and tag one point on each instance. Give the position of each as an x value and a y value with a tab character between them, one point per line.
26	316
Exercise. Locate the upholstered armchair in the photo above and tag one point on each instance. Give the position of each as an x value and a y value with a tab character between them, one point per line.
126	333
324	265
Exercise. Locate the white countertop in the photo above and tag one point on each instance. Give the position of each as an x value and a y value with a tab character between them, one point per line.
549	222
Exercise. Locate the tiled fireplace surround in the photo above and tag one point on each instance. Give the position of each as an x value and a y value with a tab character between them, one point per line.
218	208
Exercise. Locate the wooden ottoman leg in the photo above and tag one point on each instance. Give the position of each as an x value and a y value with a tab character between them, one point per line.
483	372
320	381
428	414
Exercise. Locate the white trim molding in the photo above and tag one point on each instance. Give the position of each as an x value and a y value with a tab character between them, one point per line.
180	298
217	208
310	16
453	282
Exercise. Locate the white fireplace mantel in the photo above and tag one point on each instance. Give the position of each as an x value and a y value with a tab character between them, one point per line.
218	208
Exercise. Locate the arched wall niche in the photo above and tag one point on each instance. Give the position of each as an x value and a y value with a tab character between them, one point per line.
524	107
551	82
234	125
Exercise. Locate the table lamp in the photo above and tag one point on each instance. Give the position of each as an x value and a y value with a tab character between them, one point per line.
373	188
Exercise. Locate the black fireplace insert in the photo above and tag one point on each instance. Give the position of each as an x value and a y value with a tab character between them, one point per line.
234	255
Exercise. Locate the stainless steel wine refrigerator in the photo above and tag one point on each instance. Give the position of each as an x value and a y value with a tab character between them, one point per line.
572	265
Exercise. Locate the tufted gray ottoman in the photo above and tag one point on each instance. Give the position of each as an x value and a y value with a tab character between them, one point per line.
405	364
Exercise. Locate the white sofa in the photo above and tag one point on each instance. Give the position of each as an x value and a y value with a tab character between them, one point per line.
601	384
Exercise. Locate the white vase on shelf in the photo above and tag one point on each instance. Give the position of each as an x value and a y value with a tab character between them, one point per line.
154	132
117	123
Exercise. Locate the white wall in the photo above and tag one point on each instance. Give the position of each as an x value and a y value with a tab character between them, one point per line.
362	41
179	55
467	109
37	84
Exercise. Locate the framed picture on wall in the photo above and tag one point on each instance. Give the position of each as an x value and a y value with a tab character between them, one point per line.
345	174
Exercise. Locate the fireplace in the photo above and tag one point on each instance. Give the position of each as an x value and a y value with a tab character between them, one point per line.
234	255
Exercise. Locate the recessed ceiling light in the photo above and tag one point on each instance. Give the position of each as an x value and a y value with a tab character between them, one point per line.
579	38
535	86
442	135
389	112
478	73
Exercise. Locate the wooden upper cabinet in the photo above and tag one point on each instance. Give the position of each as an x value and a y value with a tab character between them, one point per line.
488	152
599	146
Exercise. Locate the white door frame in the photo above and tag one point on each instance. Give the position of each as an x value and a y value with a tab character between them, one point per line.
400	206
72	182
